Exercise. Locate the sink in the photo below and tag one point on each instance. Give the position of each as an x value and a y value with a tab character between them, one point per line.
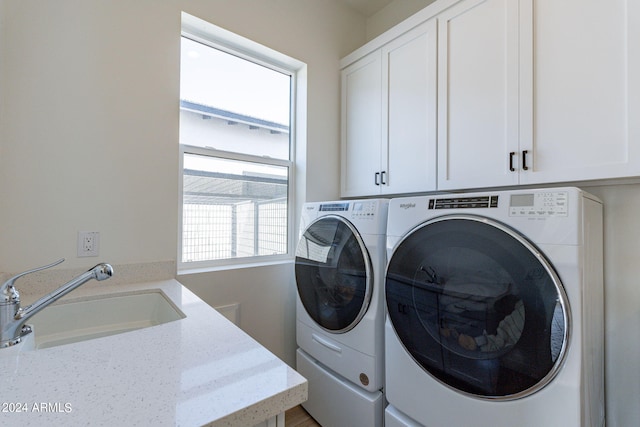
88	318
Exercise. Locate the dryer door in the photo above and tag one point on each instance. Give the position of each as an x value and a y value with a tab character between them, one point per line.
478	307
333	274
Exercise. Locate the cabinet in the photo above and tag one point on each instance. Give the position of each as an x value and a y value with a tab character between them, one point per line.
580	89
389	117
524	92
537	91
478	100
361	138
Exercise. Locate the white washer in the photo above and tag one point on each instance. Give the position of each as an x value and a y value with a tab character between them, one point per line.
339	269
495	310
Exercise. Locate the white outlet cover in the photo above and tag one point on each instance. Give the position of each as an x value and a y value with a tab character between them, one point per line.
88	243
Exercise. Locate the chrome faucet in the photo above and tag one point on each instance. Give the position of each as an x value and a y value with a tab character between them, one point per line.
13	317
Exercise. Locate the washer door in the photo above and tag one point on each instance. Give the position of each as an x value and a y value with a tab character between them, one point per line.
478	307
333	274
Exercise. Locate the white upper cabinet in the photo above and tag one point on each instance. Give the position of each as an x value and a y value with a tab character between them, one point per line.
409	81
538	91
478	94
490	93
361	126
389	117
580	89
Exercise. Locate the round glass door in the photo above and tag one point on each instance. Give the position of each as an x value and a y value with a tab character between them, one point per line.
333	274
478	307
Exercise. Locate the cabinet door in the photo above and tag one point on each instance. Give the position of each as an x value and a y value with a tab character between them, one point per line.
478	94
361	126
409	82
583	91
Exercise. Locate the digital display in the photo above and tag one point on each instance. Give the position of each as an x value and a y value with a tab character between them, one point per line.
521	200
464	202
334	207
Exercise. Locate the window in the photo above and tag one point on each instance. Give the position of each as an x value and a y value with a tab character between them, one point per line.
236	154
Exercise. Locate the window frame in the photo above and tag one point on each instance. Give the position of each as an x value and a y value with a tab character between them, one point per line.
233	44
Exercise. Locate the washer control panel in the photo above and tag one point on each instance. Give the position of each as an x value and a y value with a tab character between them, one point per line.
364	210
356	210
539	204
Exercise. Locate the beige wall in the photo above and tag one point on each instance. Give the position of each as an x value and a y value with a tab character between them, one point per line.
394	13
89	116
266	297
89	125
89	133
622	301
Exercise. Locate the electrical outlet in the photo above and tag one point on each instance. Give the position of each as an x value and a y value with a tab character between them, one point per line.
88	243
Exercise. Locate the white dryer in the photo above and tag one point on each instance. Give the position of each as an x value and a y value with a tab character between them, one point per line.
339	270
495	310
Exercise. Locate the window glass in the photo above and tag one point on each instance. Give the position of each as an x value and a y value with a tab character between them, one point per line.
232	104
234	131
232	209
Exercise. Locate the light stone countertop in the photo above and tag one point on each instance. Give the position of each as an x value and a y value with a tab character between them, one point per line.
201	370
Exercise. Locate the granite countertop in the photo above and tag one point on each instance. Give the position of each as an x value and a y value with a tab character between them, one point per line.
200	370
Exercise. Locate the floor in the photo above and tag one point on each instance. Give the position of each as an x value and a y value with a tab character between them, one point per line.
298	417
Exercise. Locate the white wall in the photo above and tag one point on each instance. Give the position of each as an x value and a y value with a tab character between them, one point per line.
89	131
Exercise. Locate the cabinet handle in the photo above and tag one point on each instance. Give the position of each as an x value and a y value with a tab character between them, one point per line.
524	160
382	177
511	168
377	176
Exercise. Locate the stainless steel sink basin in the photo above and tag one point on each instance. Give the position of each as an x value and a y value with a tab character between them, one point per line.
95	317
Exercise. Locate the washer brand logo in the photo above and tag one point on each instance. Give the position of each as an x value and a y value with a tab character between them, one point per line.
407	205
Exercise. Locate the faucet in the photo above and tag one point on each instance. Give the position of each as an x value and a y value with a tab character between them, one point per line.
13	317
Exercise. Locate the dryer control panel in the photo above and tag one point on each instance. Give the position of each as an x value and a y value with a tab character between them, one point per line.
539	204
